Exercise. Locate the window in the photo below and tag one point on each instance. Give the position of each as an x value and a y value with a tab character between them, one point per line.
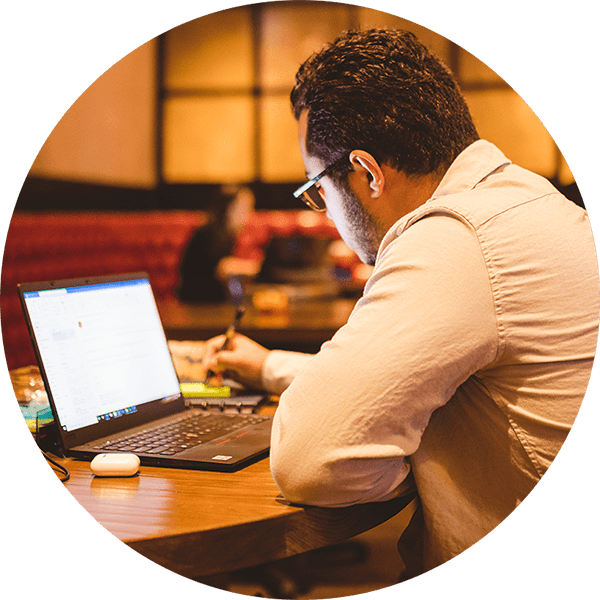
227	77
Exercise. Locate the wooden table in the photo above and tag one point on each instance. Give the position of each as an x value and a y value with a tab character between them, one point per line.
199	523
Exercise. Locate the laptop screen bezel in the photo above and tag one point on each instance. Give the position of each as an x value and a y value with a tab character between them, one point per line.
145	413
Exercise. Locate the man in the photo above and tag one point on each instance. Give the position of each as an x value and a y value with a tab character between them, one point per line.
466	359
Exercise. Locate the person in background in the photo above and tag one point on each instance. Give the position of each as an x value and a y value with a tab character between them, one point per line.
464	363
203	268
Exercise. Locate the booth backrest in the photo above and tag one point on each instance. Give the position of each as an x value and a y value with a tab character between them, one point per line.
61	245
50	246
262	226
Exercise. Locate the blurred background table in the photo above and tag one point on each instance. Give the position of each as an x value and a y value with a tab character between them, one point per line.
303	326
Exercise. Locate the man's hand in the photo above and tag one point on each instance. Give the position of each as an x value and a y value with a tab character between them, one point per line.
241	361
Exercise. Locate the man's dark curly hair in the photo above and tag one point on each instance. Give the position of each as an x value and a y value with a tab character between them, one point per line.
382	91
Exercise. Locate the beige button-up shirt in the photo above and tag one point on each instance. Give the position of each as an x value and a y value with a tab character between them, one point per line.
465	361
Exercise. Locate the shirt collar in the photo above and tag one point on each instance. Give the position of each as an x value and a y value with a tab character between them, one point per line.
471	166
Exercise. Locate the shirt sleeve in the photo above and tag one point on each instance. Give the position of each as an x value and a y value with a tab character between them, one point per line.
280	368
346	425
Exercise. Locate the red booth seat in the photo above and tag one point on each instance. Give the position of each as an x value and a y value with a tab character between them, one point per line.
49	246
262	226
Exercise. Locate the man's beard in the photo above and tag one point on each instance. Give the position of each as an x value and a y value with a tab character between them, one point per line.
363	228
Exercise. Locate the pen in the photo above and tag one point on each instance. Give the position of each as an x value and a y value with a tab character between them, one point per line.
231	330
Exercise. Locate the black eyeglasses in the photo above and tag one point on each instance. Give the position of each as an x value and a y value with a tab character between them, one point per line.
311	193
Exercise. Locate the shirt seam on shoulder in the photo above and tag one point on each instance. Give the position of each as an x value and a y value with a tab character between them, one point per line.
467	218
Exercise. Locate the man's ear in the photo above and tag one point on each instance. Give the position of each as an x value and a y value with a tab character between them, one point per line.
362	160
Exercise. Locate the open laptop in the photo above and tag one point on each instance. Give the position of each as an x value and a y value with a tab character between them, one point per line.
105	362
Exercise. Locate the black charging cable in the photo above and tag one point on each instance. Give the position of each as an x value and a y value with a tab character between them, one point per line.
58	467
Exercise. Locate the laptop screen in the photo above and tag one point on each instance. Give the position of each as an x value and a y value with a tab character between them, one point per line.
103	349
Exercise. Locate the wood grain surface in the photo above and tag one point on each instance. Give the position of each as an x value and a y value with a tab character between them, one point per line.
199	523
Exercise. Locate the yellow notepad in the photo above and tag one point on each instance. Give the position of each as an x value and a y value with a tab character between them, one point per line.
198	389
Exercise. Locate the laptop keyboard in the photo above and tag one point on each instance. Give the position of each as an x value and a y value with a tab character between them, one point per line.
183	434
